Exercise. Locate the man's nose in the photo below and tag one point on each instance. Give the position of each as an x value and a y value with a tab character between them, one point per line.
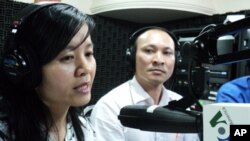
159	58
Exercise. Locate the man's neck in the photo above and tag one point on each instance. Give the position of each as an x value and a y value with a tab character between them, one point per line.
156	94
154	91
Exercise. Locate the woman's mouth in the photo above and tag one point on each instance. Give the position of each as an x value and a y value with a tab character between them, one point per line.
84	88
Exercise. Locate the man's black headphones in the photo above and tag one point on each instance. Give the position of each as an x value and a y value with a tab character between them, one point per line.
20	63
131	50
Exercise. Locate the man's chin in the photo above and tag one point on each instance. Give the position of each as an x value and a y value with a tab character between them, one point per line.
157	81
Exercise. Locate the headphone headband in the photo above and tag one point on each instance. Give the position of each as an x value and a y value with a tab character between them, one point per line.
26	12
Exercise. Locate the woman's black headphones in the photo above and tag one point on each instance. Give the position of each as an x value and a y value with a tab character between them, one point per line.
131	50
20	63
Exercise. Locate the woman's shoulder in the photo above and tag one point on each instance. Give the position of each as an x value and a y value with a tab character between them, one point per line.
85	122
3	129
88	129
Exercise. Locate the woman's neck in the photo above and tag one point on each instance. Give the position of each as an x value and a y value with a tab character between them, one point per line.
59	129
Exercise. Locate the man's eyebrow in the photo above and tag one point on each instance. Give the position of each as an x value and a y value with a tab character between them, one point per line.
154	46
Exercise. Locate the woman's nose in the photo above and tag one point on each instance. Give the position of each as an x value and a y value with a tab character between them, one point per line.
83	67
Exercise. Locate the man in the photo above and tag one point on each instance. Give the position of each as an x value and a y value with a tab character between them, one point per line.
236	91
152	55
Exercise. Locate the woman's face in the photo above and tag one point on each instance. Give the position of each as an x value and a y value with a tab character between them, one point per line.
67	80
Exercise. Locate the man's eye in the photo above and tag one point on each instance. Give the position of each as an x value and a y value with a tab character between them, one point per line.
168	53
148	50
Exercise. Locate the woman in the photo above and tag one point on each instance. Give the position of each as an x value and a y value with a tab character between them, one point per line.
47	73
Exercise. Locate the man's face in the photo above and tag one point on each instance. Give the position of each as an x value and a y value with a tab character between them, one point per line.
155	57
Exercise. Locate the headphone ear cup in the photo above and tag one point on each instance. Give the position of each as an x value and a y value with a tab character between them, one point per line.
178	58
130	54
19	65
15	65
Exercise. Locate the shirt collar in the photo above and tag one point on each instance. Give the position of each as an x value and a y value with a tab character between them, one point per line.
165	98
140	96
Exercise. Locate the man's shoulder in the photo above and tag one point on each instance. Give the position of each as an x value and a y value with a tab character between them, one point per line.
173	95
114	99
241	79
117	92
238	82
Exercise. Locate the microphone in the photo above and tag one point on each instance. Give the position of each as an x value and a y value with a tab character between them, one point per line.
161	119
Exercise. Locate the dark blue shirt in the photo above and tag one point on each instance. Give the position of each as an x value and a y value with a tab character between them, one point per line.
235	91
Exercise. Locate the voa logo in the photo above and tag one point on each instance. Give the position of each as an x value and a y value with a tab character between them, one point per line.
221	125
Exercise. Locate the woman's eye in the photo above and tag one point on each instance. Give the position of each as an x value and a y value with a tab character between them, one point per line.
89	54
67	58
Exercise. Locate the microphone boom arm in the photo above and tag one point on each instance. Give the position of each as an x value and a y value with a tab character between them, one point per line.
205	43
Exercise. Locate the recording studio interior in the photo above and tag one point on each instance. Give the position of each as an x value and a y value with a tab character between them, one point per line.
214	44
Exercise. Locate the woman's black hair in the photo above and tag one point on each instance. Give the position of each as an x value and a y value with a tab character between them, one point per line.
48	32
